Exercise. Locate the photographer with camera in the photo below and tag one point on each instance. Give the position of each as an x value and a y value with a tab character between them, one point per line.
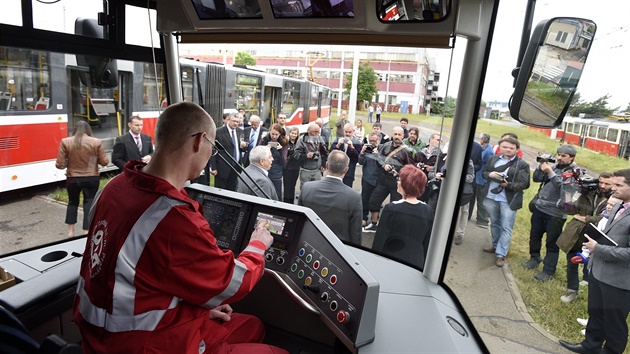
588	208
507	175
393	156
368	158
311	151
351	146
548	213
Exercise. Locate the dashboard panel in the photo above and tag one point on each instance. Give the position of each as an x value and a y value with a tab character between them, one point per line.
306	258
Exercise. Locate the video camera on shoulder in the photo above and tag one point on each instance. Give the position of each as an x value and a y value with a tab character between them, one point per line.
545	158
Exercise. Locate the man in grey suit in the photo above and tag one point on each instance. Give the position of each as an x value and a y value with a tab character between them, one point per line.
338	205
132	146
609	279
255	175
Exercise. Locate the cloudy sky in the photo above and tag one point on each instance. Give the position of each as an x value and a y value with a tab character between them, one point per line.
605	71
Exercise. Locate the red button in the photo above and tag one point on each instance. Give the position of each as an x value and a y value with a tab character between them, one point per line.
343	317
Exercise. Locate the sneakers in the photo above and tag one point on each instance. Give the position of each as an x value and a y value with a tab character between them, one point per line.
584	283
570	296
459	239
583	332
500	261
490	249
371	227
582	321
542	276
363	222
532	263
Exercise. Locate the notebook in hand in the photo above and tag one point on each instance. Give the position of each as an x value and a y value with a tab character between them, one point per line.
596	234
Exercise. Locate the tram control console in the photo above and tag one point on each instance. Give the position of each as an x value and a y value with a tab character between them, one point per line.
306	258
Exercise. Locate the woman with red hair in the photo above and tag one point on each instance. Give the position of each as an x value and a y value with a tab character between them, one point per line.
405	225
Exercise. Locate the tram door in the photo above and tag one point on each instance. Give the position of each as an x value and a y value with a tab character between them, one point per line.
624	144
272	100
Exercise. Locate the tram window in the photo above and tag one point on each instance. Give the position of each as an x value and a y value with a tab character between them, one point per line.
152	97
576	128
326	97
601	133
11	13
47	13
612	135
314	94
187	84
291	97
137	20
569	128
248	93
592	132
24	78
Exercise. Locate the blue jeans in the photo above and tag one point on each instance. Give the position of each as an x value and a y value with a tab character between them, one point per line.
501	224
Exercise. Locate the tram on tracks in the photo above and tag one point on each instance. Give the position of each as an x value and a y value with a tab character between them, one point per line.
362	300
43	94
600	135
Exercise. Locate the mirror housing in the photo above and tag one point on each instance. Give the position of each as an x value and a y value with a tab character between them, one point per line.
102	72
550	70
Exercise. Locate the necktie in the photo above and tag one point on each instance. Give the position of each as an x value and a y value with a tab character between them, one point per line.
235	142
138	143
621	210
251	139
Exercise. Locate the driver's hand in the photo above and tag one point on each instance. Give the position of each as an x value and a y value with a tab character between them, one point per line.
262	234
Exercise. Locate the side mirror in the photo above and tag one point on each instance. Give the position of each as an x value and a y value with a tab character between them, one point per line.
550	70
102	72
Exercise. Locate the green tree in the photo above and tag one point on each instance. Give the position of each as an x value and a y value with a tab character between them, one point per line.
599	107
446	108
366	85
243	58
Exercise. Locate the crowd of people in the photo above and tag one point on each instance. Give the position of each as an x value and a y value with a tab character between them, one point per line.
268	163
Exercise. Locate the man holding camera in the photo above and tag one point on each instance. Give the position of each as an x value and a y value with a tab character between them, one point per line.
507	176
588	208
311	151
548	213
368	158
350	146
393	156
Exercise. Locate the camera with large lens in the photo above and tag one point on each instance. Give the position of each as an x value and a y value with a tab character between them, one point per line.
545	158
369	148
587	183
316	156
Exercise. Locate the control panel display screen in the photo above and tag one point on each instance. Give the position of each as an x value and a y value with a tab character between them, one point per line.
274	223
227	219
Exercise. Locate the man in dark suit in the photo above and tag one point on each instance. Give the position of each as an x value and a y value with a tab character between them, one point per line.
338	205
133	145
256	174
609	279
232	139
253	135
350	146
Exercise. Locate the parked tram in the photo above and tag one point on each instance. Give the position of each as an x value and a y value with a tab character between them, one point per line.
43	94
600	135
608	137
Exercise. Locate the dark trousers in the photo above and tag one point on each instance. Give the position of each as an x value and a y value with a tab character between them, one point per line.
348	179
76	185
608	308
277	183
541	224
483	218
366	193
226	180
573	278
380	193
289	179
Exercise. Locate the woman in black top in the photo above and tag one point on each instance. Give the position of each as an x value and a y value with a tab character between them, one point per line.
291	170
405	226
276	139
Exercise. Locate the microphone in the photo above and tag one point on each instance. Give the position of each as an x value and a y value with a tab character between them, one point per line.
220	147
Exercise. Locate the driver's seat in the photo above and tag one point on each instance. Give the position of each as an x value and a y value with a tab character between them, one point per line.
15	339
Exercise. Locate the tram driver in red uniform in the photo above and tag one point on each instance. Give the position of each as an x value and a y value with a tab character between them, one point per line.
153	279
